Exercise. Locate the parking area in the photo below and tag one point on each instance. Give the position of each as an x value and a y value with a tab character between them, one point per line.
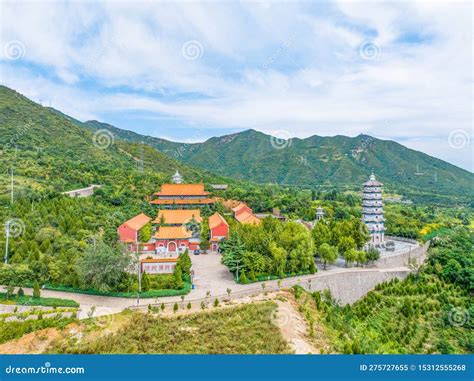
211	274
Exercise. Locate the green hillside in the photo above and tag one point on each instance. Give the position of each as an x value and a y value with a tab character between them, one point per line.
52	152
338	161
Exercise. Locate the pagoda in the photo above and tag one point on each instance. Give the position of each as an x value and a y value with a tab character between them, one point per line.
319	213
177	178
372	211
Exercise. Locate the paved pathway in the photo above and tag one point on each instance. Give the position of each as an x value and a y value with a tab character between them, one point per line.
210	275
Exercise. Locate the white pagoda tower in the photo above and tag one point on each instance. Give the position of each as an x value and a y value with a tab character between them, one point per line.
372	211
319	213
177	178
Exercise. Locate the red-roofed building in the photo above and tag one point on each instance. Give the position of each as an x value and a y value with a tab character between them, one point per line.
128	231
219	230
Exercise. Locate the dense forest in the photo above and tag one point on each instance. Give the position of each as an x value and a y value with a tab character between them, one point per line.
319	162
428	312
52	234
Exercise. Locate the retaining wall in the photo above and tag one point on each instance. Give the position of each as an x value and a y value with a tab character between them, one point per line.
415	256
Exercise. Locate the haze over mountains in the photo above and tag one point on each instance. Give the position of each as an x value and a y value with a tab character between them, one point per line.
315	162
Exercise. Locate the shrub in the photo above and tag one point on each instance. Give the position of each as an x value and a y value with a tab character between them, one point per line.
36	291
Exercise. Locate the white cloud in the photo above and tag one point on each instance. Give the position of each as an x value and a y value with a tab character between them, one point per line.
270	66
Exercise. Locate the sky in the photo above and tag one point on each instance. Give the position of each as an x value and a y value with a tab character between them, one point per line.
187	71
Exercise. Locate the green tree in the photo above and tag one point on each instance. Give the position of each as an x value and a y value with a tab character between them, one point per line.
232	253
361	257
350	256
243	278
321	234
373	254
144	234
185	262
360	234
145	282
346	244
204	237
36	290
102	268
328	254
178	277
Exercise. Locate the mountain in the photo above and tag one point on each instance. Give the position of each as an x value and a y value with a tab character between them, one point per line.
317	161
50	151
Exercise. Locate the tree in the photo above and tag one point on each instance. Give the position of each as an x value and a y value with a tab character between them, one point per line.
102	268
216	302
21	292
36	290
360	234
243	278
350	256
178	277
346	244
162	307
145	282
188	306
175	307
320	234
328	254
144	234
204	244
373	254
361	257
185	262
232	253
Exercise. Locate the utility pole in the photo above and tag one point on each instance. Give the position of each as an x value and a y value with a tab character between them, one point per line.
138	267
7	234
11	195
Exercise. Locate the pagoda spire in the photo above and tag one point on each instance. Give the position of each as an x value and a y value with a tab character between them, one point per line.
177	178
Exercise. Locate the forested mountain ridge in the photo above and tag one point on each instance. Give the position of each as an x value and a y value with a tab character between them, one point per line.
317	161
50	151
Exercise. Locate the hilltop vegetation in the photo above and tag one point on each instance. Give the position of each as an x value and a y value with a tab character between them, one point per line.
319	162
428	312
246	329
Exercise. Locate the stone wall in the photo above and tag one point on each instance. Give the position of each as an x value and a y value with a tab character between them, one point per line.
348	287
415	256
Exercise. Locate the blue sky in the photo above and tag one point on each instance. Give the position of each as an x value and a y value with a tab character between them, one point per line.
191	70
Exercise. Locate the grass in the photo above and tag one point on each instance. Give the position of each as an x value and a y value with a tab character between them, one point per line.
246	329
145	294
27	300
15	329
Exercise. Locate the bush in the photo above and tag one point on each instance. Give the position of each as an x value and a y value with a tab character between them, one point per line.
36	291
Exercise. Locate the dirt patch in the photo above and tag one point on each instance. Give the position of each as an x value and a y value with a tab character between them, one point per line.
34	342
292	325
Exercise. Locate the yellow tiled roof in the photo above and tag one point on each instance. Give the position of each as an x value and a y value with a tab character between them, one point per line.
215	220
182	190
170	232
178	216
137	222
